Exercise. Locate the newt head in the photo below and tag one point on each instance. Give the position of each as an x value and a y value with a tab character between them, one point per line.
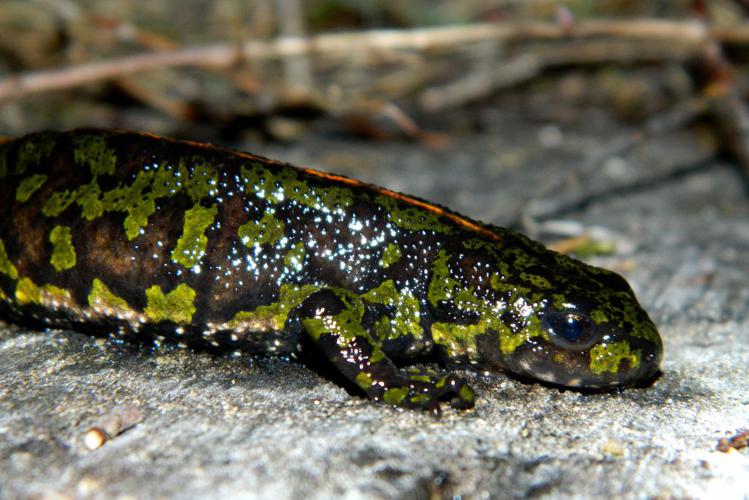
587	331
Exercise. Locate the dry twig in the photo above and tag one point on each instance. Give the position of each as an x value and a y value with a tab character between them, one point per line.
342	45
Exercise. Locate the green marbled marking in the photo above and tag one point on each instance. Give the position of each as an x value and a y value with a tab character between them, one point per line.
598	316
390	255
411	218
32	151
294	258
88	198
192	244
58	202
607	357
202	180
63	253
363	380
648	332
273	316
28	186
267	230
28	292
177	306
92	150
345	325
441	285
405	321
465	393
459	339
536	280
284	183
6	266
420	399
498	284
630	316
395	396
138	199
101	297
494	250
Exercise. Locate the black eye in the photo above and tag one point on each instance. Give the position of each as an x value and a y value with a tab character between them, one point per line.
572	331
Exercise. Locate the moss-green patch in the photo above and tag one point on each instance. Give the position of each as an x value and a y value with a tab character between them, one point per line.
272	317
646	330
598	316
411	217
460	339
507	288
191	246
457	340
201	175
419	377
28	186
58	202
267	230
536	280
63	253
344	326
363	380
405	320
622	309
390	255
91	149
33	149
177	306
395	395
608	357
88	198
441	285
27	292
294	258
6	266
284	183
465	393
420	399
138	199
102	298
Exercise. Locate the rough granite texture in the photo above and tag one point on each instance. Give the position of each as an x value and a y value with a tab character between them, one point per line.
230	428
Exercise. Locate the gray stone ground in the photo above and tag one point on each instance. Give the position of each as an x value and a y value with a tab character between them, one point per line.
235	428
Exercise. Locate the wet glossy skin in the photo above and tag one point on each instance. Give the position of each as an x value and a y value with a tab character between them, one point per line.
152	240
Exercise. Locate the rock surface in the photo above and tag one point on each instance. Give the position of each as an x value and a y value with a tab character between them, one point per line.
270	428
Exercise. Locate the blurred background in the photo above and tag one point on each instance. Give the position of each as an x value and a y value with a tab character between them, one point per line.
383	70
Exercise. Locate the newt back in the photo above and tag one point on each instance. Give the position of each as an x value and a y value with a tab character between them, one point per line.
150	239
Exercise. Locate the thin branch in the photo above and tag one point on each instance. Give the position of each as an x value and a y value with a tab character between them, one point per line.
529	65
342	45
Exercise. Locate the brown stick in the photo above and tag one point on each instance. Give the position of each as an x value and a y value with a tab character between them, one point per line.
342	45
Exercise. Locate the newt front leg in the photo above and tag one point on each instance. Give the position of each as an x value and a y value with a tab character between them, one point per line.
333	319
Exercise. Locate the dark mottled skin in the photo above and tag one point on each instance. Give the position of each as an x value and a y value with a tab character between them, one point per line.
150	239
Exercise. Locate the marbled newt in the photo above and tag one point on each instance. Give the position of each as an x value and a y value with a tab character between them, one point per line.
155	240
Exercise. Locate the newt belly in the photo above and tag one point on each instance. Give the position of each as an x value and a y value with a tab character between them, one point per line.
155	240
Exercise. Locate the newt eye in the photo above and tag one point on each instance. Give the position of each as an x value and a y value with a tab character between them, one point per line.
568	330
